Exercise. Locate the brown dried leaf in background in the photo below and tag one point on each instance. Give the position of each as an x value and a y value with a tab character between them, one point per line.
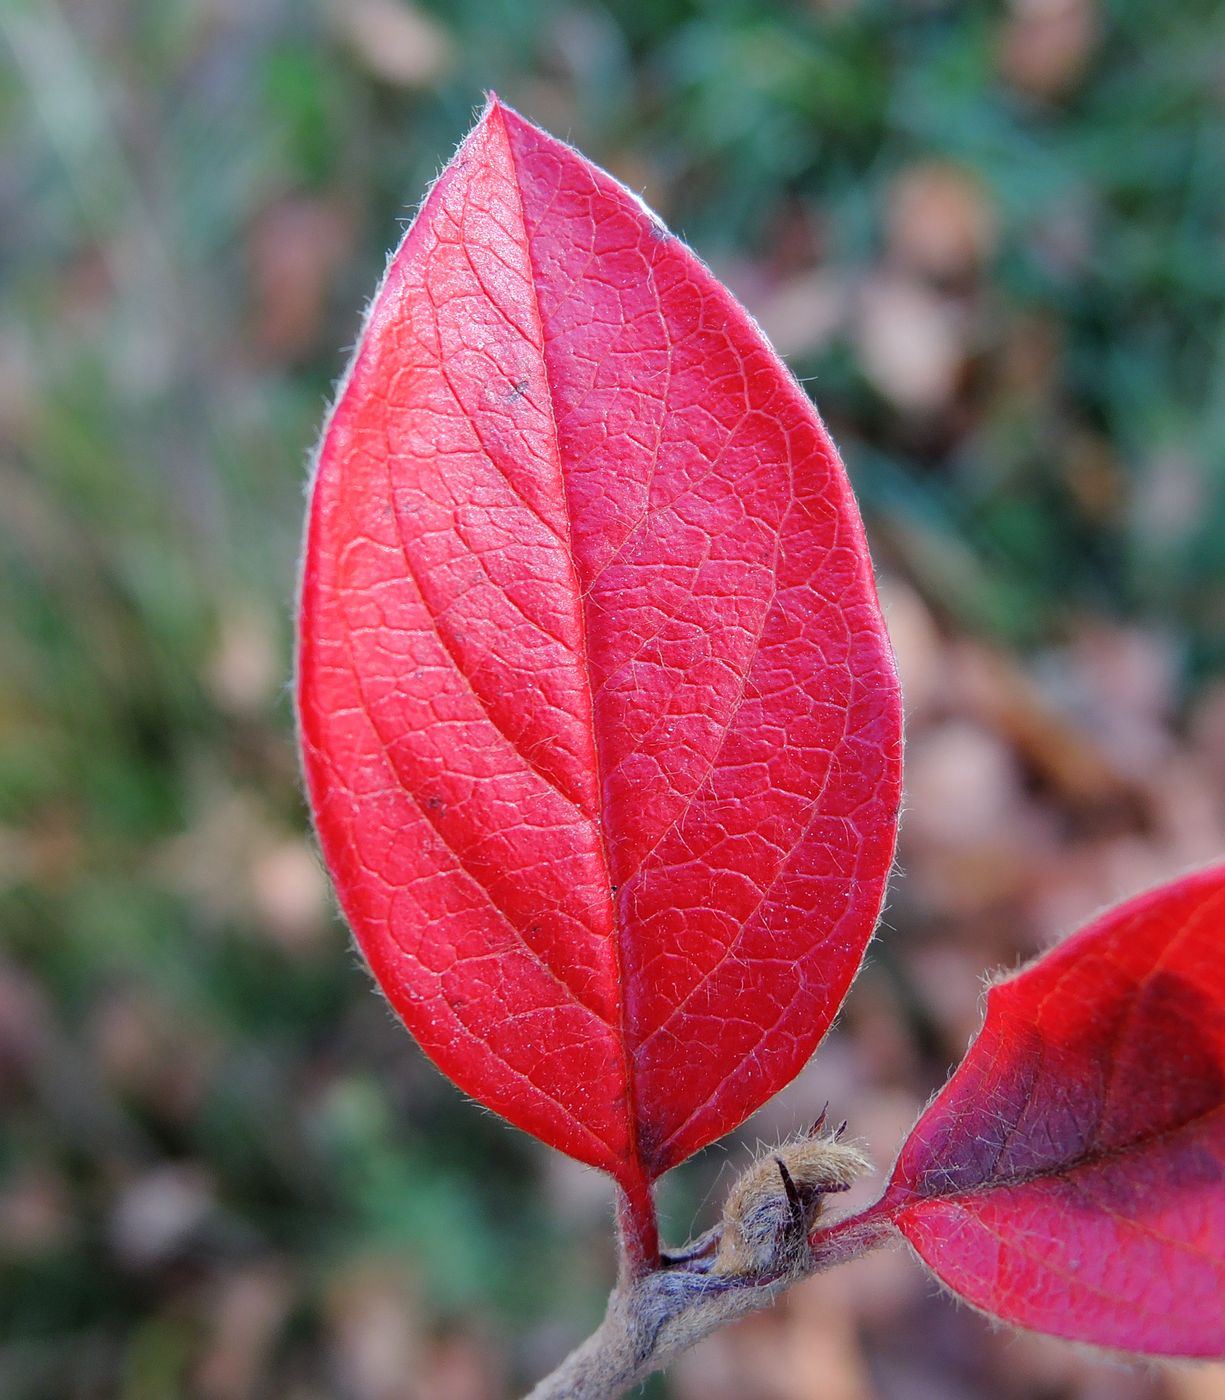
26	1035
374	1329
36	1215
294	248
805	1349
235	862
459	1366
803	312
970	830
152	1053
918	647
289	893
1196	1382
1065	755
940	222
911	342
247	1311
1208	732
1045	45
395	41
246	667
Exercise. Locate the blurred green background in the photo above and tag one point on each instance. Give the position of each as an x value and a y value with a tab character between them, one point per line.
991	240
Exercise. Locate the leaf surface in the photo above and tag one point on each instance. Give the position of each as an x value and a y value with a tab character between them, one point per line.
1070	1177
599	719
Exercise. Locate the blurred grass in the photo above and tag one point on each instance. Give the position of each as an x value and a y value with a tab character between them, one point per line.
200	1092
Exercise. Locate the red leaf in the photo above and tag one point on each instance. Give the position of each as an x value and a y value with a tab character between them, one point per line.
599	719
1070	1177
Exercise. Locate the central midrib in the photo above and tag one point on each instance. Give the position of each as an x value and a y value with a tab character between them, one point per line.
1086	1161
628	1068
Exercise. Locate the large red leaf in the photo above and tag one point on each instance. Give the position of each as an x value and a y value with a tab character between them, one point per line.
1071	1175
599	719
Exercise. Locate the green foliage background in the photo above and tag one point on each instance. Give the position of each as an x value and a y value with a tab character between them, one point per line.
200	1093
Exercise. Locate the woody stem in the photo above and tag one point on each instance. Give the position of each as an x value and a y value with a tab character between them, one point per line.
663	1310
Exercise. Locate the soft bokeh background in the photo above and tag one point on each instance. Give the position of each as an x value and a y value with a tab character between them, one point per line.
991	238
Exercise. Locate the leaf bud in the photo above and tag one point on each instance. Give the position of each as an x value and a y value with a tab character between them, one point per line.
773	1207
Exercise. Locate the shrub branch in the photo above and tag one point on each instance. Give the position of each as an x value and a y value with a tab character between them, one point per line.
770	1237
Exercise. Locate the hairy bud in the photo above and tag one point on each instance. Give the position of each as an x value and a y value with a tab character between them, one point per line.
772	1209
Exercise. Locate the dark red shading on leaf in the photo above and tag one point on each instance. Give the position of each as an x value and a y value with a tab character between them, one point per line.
1070	1177
599	718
